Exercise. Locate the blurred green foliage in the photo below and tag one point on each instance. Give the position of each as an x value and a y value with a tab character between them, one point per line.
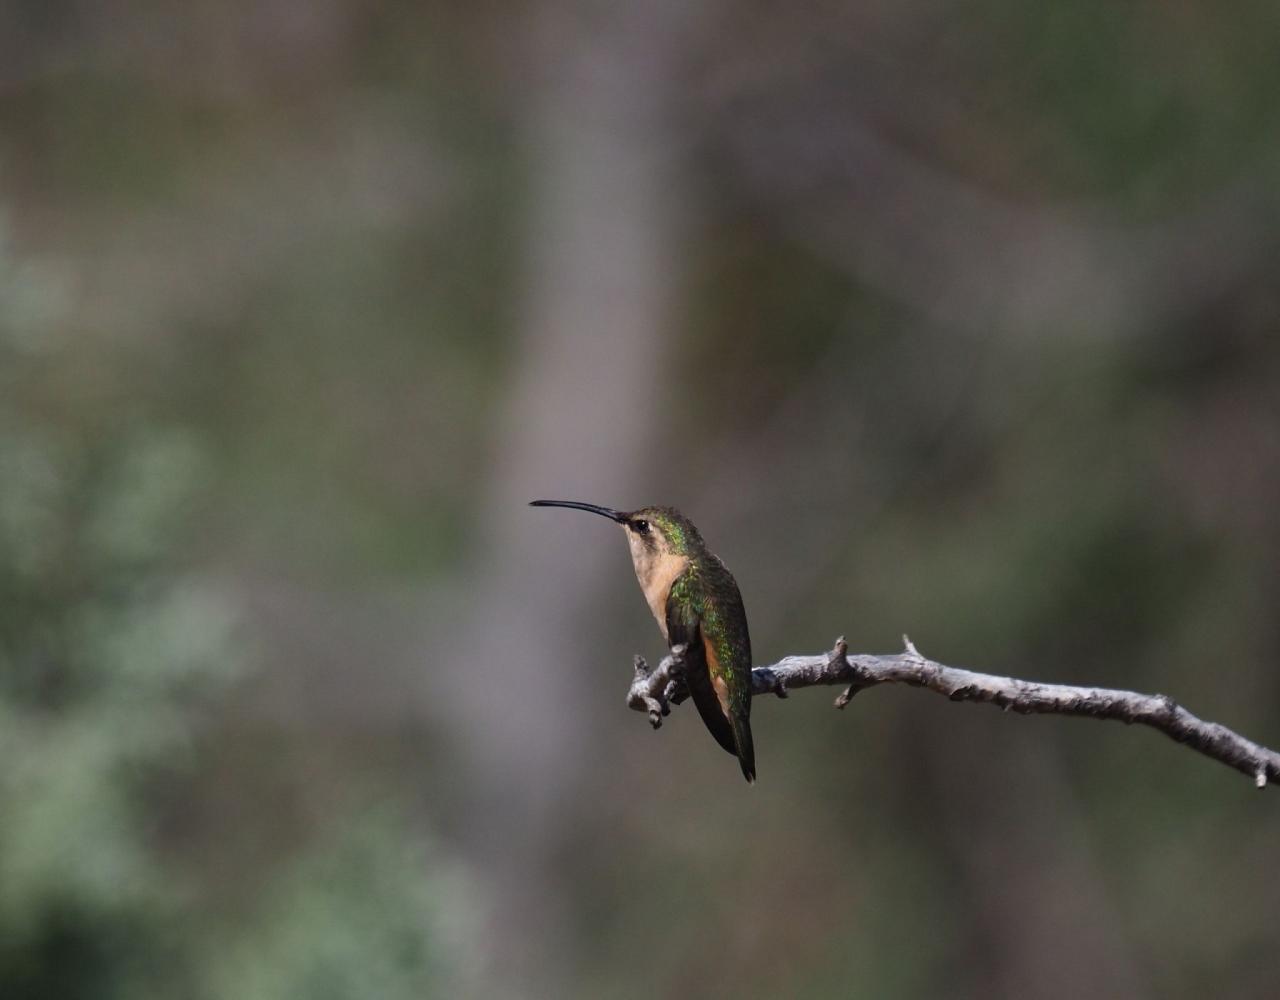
114	657
352	917
108	653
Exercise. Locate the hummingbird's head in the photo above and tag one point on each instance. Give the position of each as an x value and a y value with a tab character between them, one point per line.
653	533
661	539
660	531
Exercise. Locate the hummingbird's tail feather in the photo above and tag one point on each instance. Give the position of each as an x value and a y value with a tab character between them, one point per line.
733	734
745	748
704	697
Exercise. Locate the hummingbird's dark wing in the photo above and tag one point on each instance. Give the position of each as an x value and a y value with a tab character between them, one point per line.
728	654
684	626
704	611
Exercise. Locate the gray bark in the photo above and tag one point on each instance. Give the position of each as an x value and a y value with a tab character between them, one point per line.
655	691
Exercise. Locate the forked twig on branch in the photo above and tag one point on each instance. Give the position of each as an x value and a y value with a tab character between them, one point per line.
655	691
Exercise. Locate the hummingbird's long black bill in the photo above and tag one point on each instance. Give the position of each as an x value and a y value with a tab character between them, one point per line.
613	515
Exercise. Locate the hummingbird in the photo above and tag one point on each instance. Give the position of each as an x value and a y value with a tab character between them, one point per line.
696	602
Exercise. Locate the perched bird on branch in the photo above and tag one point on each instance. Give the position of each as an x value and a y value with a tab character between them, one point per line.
697	604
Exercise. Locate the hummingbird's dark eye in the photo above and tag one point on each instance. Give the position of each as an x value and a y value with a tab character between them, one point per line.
642	527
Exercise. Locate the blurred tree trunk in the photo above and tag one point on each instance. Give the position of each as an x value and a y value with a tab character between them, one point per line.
603	234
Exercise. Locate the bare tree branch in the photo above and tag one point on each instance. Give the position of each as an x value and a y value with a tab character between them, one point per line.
655	691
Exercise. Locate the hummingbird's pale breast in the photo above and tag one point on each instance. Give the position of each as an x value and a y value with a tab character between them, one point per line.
656	569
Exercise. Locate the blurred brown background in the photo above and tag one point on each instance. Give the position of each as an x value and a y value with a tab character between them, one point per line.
950	319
